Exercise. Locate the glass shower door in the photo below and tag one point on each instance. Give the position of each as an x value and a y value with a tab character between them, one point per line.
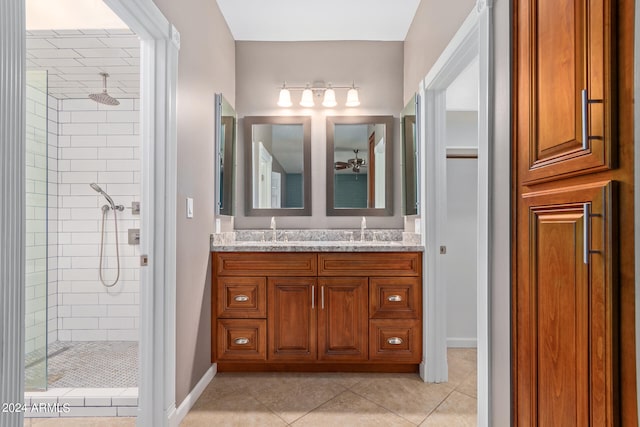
36	231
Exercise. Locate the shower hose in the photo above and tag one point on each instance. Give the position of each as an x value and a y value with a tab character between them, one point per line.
105	209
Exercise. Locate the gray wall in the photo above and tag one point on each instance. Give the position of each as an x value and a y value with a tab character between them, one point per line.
206	66
261	67
499	233
433	26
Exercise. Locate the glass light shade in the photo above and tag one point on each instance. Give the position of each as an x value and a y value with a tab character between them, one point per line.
307	98
352	98
329	98
285	98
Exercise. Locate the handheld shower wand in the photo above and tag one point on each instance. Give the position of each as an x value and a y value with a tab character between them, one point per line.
105	209
97	188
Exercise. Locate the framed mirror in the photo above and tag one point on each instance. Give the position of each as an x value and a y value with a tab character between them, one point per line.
409	120
359	165
225	148
277	166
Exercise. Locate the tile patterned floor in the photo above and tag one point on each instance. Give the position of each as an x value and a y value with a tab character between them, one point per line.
351	400
91	364
309	400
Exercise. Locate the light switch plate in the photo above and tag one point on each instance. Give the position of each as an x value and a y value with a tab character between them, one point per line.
189	207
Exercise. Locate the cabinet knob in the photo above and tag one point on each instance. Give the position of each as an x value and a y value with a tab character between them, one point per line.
241	341
241	298
394	298
395	341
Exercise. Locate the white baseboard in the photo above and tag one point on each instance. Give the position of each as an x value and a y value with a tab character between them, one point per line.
462	342
178	415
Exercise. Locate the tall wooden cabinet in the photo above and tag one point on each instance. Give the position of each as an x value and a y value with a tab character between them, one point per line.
569	188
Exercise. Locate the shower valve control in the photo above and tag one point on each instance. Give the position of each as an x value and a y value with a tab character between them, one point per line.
134	236
135	208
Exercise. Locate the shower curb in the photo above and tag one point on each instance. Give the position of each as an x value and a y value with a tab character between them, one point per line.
82	402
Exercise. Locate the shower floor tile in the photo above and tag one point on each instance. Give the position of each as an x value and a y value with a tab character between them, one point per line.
92	364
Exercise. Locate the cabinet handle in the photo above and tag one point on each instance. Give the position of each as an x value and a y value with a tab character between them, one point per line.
395	341
586	208
241	341
313	296
585	117
241	298
322	296
585	120
394	298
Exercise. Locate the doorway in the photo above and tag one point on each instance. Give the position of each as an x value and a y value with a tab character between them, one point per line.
471	43
159	47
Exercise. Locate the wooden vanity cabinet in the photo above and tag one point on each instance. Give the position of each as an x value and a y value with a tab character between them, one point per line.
318	311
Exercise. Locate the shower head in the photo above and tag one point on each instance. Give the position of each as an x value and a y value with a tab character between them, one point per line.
97	188
104	97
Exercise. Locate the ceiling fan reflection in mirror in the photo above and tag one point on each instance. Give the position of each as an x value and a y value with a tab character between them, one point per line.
355	164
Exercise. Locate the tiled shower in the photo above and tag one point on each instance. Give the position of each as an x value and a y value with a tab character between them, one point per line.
81	334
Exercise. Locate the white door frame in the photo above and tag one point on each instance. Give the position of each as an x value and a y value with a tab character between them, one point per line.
471	40
159	42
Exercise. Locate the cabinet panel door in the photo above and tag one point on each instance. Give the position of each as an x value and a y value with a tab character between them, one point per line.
292	318
563	51
564	308
343	319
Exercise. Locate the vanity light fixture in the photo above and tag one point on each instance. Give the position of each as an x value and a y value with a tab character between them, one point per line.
352	97
285	97
318	89
329	98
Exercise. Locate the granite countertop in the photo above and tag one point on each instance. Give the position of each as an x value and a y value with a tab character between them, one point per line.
316	241
312	246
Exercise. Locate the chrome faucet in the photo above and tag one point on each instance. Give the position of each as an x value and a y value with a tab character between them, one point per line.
363	225
273	227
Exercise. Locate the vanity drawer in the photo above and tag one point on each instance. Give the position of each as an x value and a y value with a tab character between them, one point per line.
265	264
370	264
242	297
396	340
395	297
242	339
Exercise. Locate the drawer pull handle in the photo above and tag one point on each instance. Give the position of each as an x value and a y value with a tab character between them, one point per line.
241	341
394	298
395	341
241	298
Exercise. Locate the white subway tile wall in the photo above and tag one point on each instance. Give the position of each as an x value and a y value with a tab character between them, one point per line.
36	176
100	144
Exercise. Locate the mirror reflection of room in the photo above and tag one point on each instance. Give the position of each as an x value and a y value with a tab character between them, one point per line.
277	152
359	165
359	153
277	157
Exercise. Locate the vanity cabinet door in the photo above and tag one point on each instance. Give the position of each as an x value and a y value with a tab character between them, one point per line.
292	318
343	319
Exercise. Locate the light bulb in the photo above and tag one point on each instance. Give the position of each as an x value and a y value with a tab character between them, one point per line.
285	98
352	98
307	98
329	98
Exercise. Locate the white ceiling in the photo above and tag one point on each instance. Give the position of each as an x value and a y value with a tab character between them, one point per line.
304	20
70	14
74	59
